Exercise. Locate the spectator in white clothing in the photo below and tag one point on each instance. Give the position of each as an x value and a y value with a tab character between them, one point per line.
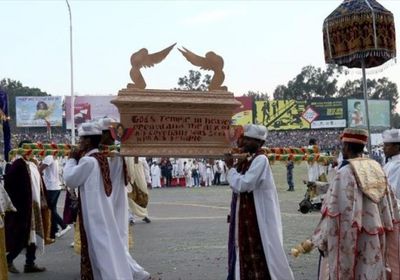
187	169
49	169
155	176
209	175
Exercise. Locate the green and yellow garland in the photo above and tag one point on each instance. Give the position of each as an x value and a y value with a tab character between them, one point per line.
297	155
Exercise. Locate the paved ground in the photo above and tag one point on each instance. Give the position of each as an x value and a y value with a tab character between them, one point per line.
187	238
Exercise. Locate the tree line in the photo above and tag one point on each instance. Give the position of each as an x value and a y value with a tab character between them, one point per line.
311	82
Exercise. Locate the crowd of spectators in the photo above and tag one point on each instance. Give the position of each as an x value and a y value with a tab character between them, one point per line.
327	139
64	138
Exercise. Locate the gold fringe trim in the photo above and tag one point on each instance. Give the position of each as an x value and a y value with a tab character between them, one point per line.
3	260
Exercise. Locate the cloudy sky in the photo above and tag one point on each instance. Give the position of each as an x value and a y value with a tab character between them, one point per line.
263	43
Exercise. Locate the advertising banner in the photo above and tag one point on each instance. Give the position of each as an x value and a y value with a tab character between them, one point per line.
379	113
330	113
295	114
281	114
88	108
244	114
38	111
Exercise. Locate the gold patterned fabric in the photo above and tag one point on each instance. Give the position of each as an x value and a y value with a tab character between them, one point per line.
37	221
105	172
359	30
130	238
370	178
77	237
86	266
138	196
3	260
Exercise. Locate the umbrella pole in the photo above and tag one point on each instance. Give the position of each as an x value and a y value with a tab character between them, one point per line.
364	81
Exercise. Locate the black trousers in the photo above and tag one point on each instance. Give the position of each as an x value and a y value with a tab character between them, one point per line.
30	254
56	220
217	178
169	180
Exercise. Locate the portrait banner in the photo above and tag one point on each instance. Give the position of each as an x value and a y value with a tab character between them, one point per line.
89	108
38	111
379	113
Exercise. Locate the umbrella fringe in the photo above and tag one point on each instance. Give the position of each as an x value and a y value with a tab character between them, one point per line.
362	55
375	70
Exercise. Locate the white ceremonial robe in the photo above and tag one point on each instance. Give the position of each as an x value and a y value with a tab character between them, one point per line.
155	176
357	235
223	171
137	176
259	180
119	196
392	171
209	175
102	231
146	169
313	169
188	175
180	170
202	172
36	234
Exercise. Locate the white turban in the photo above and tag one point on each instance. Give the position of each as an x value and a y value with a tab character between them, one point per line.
391	136
89	129
255	131
105	123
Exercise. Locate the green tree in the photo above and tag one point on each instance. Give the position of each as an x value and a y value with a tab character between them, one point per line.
257	95
395	120
13	89
194	81
311	82
382	89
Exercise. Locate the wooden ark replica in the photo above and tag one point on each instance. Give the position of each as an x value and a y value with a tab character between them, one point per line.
175	123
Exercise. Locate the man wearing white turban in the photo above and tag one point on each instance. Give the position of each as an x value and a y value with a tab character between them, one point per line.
391	148
255	235
102	249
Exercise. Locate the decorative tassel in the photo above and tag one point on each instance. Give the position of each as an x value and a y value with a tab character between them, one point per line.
303	248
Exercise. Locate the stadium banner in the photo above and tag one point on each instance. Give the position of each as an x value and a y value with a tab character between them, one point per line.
89	108
281	114
326	113
328	124
379	113
243	114
38	111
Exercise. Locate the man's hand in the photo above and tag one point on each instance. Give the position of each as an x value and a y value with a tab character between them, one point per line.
75	154
228	160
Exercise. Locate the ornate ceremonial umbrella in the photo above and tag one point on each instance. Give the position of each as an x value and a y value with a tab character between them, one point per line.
360	34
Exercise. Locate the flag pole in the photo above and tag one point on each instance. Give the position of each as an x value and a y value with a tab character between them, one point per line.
72	77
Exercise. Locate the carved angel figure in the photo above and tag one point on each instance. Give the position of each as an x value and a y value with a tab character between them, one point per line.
142	58
212	62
